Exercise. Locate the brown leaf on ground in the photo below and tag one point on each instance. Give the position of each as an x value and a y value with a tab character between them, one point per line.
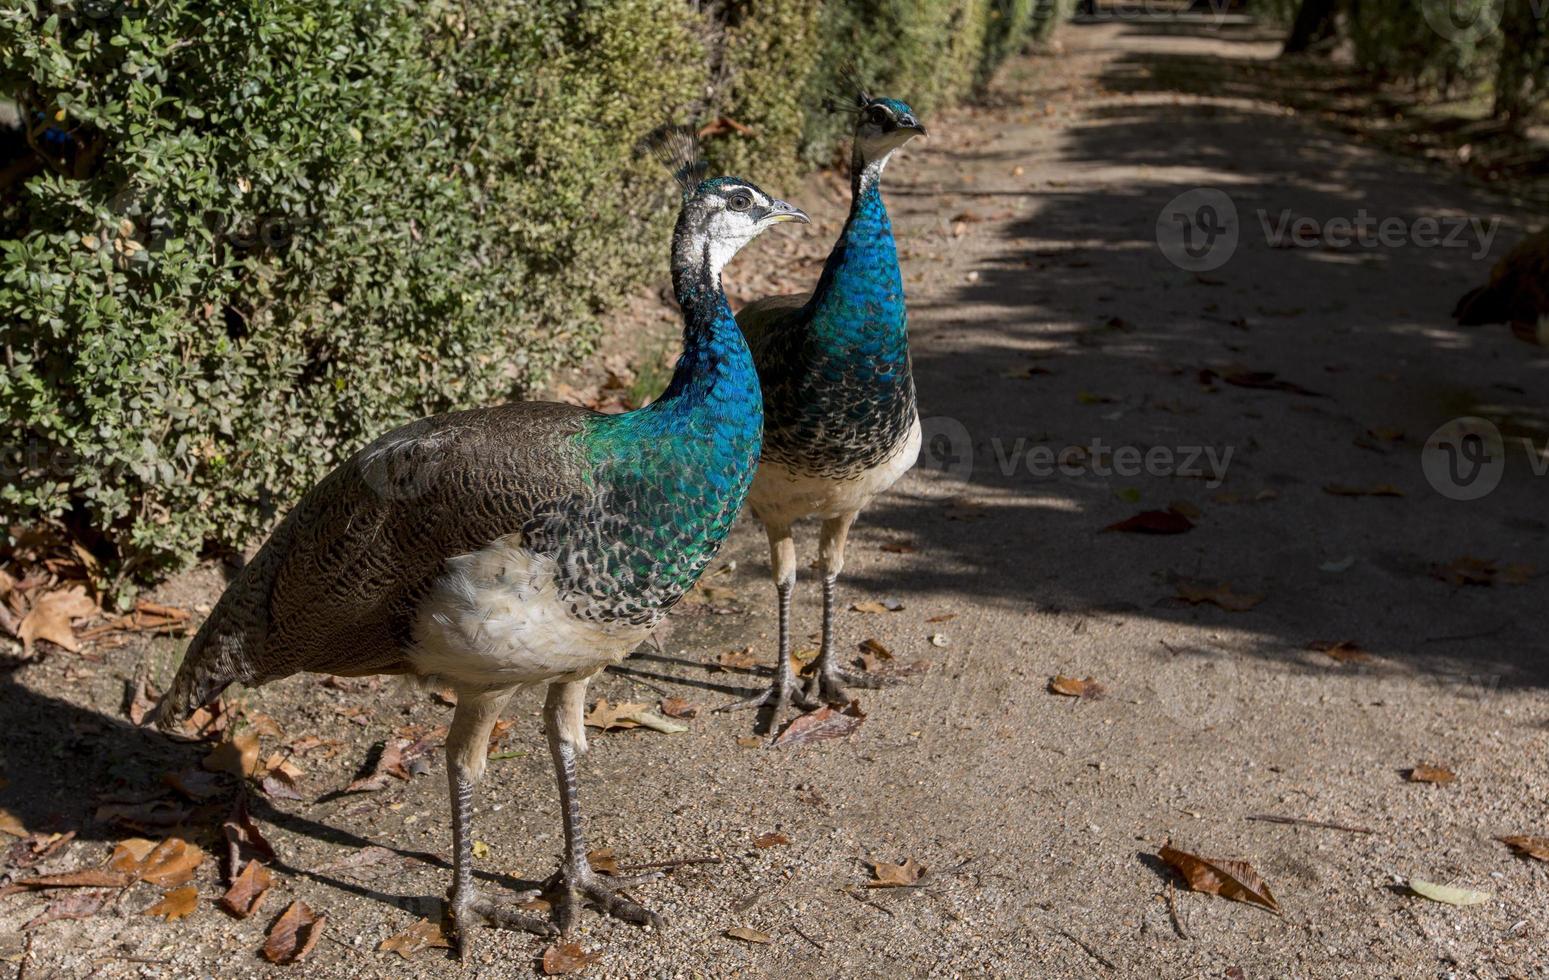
193	784
1468	570
1529	847
50	616
76	905
86	878
562	958
743	659
242	837
1153	522
140	701
885	874
772	839
602	860
237	755
875	648
498	734
1221	595
1261	380
820	725
176	904
1426	773
964	509
1344	651
419	937
35	848
146	817
875	606
293	934
363	858
1376	490
247	891
1235	880
944	617
277	788
899	548
208	720
11	824
749	935
1071	687
172	862
679	708
389	766
129	856
605	716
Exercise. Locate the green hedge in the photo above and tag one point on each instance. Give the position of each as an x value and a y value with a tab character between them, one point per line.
257	233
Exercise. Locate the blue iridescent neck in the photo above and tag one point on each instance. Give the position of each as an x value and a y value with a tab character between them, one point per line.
714	390
859	299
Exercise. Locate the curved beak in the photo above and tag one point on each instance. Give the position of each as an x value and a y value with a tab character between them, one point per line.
912	125
780	211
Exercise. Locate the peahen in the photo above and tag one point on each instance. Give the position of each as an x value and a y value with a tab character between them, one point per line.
840	417
1517	293
532	543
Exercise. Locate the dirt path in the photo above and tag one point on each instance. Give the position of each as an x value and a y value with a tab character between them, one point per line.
1045	317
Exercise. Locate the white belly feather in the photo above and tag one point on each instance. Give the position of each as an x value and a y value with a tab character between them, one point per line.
496	618
781	495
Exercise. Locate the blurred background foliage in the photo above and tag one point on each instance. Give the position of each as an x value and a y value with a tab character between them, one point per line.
241	239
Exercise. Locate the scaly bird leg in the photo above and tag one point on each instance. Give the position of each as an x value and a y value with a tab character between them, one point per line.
467	745
827	684
783	690
563	711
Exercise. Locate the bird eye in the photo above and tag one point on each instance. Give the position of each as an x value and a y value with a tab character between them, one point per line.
740	202
877	116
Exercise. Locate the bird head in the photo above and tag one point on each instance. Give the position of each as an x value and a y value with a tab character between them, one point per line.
720	214
883	125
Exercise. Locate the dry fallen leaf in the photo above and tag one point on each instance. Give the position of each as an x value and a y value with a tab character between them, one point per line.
1222	595
885	874
195	785
1072	687
1153	522
1344	651
129	856
630	714
176	904
603	861
88	878
1430	774
243	897
563	958
875	648
172	862
242	836
50	616
75	905
824	723
743	659
1235	880
772	839
11	824
1529	847
293	934
145	817
679	708
1376	490
389	766
872	606
237	755
748	935
1446	894
363	858
423	935
1480	571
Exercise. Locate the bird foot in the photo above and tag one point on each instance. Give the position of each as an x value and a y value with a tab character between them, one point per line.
575	886
779	695
828	686
468	908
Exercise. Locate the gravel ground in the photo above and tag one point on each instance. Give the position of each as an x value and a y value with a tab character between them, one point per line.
1045	316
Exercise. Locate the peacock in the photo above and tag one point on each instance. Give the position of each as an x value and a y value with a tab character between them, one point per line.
1517	293
530	543
840	416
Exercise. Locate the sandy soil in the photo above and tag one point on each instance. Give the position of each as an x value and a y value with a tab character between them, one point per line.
1045	316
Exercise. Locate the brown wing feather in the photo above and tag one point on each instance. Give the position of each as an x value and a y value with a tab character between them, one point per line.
335	587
